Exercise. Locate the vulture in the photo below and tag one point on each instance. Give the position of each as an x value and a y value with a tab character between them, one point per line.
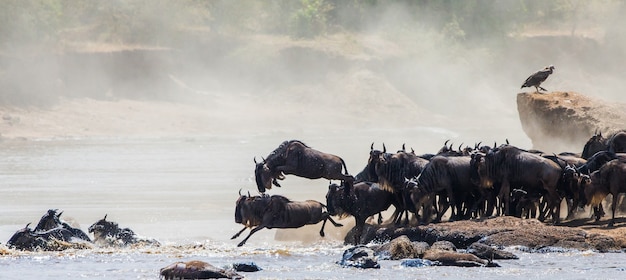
537	78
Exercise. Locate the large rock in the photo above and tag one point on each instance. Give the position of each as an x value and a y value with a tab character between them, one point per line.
564	121
504	232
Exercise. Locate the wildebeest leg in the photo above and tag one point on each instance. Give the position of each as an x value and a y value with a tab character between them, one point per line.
239	233
613	208
505	194
358	230
325	217
260	227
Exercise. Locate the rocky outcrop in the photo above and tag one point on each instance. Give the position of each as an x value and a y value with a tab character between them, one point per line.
564	121
529	234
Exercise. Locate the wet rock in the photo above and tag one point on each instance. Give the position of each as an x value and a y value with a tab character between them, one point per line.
417	263
196	270
402	248
246	267
360	257
603	243
487	252
443	246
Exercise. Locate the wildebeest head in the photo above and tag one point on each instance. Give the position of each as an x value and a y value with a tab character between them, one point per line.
265	177
595	144
333	199
50	220
23	239
249	210
480	174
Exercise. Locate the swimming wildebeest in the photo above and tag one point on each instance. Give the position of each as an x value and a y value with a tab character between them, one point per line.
49	240
109	233
277	211
52	220
362	200
295	157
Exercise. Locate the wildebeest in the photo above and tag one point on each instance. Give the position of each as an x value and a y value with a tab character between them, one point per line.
609	179
49	240
295	157
538	77
391	172
449	177
615	143
109	233
52	219
362	200
277	211
512	167
196	270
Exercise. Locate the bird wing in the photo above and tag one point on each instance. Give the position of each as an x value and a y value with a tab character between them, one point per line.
536	78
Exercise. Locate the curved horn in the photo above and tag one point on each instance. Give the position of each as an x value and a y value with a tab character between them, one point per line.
263	159
460	146
248	193
254	160
384	148
507	141
105	217
239	192
372	146
446	143
403	148
26	227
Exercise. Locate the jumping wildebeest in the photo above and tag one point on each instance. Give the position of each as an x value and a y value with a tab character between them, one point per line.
609	179
615	143
277	211
52	220
362	200
295	157
109	233
49	240
538	77
514	168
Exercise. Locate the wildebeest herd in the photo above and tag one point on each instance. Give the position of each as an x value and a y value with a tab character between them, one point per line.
462	183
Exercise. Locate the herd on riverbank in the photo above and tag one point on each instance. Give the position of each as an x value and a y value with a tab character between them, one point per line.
476	182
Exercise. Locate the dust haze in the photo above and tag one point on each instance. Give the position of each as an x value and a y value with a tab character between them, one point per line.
390	72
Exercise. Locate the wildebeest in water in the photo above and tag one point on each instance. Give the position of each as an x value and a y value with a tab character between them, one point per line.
277	211
109	233
295	157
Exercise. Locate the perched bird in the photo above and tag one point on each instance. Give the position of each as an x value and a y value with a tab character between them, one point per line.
539	77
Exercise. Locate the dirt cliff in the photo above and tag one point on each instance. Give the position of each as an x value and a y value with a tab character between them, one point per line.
564	121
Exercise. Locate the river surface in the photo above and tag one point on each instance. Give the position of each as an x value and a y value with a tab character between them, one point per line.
182	192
